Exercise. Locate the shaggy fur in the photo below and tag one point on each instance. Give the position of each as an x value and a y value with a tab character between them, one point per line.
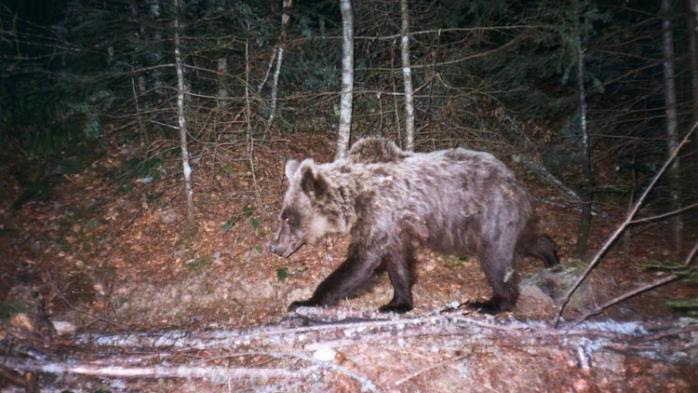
456	201
372	150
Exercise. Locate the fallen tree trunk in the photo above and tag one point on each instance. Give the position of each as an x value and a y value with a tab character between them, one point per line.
320	351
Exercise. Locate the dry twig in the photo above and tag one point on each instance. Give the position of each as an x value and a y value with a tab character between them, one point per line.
628	219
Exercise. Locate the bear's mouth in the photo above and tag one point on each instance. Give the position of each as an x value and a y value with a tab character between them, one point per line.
290	252
287	251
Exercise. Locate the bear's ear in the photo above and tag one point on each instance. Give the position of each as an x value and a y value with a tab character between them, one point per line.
291	168
312	183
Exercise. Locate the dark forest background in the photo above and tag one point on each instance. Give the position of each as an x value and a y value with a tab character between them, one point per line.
501	76
142	150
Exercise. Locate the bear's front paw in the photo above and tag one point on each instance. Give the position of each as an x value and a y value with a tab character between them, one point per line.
303	303
398	308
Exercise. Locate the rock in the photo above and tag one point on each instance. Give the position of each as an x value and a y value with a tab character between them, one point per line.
581	385
253	291
540	293
325	354
168	216
64	328
22	322
534	303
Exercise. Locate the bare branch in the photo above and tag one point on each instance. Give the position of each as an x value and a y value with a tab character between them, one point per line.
611	239
637	291
427	369
207	372
627	295
663	215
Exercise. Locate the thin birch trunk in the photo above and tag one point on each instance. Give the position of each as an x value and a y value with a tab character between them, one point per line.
248	105
344	132
396	105
285	16
138	79
275	87
139	116
693	53
182	122
222	68
154	11
671	120
138	36
407	76
269	68
588	181
248	122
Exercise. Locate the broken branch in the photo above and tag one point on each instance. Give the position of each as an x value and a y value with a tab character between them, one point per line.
628	219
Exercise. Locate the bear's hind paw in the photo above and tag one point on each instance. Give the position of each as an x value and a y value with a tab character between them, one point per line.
491	306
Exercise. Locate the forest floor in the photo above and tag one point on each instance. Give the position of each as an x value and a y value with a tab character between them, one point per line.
108	253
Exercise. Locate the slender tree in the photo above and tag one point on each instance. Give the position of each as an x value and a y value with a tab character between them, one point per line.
407	75
285	16
222	69
182	121
221	64
671	118
154	13
588	181
138	38
248	119
693	53
345	105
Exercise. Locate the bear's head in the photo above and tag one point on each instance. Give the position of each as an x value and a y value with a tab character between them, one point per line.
309	210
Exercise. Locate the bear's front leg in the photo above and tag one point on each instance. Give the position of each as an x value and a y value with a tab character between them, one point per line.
350	275
399	265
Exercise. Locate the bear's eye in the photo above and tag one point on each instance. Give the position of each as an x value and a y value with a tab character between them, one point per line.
290	217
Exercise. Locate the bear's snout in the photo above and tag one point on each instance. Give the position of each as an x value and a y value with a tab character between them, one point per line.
276	248
284	249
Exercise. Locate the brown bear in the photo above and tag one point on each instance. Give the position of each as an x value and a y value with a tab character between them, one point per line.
455	201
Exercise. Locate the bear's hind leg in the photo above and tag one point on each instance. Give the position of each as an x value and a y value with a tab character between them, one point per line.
497	264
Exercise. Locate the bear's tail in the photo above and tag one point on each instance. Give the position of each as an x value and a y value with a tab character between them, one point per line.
541	247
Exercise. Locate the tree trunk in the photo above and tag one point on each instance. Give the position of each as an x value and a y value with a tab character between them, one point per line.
137	80
285	16
396	104
139	38
154	11
344	131
407	76
588	180
671	120
693	53
222	68
182	122
248	121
